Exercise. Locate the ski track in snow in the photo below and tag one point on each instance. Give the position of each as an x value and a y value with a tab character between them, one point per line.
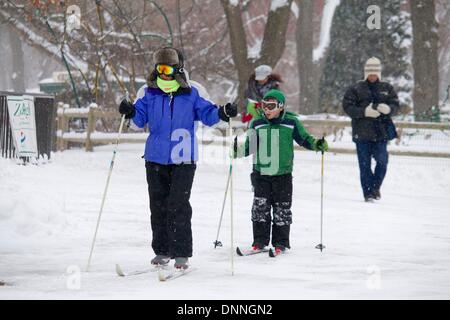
48	215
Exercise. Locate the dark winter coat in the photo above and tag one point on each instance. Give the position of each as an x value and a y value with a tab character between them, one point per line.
256	92
355	101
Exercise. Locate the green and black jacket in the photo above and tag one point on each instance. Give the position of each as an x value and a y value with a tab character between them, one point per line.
271	143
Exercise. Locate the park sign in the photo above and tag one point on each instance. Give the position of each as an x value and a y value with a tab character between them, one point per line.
23	125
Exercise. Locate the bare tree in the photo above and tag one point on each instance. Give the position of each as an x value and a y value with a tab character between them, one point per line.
273	42
117	38
111	47
425	58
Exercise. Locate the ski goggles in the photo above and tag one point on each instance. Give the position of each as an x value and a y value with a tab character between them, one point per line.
165	69
269	105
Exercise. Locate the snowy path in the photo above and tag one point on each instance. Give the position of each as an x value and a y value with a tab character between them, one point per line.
396	248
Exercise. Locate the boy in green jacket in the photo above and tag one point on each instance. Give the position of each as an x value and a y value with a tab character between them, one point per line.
270	141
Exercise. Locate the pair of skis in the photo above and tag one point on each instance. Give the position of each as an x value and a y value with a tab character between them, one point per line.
272	253
164	274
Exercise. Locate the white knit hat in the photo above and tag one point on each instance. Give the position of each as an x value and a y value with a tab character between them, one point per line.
262	72
373	66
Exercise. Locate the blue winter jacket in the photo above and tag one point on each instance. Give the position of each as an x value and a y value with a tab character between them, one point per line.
172	121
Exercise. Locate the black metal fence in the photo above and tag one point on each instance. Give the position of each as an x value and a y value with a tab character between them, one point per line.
45	112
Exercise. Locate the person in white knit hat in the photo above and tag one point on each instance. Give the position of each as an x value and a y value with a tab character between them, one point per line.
371	103
260	82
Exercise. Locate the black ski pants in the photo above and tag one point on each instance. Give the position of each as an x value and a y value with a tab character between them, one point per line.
169	189
271	192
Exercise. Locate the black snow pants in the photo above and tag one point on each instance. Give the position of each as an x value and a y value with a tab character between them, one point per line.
169	189
271	192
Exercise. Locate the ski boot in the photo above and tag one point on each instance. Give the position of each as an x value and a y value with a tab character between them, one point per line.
280	250
160	260
377	194
181	263
258	247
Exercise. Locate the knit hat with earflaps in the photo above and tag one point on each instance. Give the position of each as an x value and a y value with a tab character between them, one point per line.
276	94
172	57
373	66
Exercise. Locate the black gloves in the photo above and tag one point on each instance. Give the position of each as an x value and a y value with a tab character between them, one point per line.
321	145
228	111
127	108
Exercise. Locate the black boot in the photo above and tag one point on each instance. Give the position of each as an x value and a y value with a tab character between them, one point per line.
377	194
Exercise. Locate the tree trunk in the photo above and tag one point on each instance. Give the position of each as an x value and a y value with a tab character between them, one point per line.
425	58
18	68
305	47
272	47
238	44
274	40
443	17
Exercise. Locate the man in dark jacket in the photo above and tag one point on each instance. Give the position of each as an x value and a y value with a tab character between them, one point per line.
171	108
371	103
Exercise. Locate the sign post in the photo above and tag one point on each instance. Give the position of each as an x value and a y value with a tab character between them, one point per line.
23	125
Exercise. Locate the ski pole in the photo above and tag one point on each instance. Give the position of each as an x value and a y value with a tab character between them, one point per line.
122	121
217	243
320	245
231	197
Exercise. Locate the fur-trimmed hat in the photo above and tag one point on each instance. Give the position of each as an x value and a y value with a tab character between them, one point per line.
173	57
166	55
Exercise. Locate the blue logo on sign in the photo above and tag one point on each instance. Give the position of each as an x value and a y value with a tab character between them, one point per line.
22	137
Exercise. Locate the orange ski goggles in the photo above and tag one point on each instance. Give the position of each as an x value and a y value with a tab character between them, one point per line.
165	69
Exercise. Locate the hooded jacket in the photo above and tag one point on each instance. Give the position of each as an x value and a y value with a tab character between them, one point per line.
172	122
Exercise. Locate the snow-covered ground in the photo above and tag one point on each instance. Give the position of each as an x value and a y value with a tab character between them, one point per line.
398	247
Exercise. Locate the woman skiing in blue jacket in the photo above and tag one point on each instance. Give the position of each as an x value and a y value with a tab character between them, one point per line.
171	108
